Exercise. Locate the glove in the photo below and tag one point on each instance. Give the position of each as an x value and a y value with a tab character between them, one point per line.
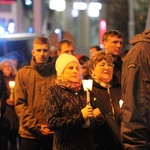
87	112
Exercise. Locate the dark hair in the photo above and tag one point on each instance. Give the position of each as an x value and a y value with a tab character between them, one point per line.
111	33
98	48
64	41
83	59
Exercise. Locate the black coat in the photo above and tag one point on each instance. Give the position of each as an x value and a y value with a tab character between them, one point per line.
104	136
3	92
64	117
10	113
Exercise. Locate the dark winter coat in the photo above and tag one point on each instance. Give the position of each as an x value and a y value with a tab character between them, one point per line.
118	68
104	136
31	85
3	93
135	125
64	117
10	113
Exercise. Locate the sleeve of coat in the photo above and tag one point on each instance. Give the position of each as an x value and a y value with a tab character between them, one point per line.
53	107
26	118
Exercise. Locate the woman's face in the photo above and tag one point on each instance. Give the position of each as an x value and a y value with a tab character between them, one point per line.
7	69
71	72
103	71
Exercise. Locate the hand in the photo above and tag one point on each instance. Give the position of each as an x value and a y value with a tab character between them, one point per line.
87	112
10	102
45	131
96	112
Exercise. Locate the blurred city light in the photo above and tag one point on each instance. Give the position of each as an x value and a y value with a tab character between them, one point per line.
58	5
28	2
94	8
80	5
30	29
75	13
95	5
2	30
102	30
57	31
11	27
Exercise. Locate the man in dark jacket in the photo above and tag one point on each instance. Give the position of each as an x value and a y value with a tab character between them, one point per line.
113	42
31	84
135	126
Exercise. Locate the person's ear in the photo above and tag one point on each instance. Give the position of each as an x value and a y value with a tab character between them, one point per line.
32	52
58	53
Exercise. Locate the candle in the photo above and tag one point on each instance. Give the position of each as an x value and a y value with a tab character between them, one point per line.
11	85
120	103
87	85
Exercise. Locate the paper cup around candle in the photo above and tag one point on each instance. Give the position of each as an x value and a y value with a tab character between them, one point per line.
87	84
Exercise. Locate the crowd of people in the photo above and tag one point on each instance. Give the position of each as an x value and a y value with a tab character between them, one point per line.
47	107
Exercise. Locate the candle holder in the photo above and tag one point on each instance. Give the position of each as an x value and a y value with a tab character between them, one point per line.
11	85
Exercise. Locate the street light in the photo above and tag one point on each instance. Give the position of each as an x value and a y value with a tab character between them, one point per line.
58	5
94	8
80	5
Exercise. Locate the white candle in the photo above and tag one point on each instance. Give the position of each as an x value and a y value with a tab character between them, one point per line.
87	85
120	103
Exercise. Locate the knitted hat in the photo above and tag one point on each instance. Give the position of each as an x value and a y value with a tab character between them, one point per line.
62	61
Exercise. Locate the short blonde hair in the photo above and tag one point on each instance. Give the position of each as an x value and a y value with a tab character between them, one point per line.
42	40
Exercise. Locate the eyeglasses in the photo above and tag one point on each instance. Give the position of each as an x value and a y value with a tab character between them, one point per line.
102	65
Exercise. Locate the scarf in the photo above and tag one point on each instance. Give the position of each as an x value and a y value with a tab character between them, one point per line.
75	86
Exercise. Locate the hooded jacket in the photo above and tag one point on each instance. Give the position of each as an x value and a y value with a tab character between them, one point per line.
135	127
31	84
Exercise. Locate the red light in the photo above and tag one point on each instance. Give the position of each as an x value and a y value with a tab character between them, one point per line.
102	30
7	1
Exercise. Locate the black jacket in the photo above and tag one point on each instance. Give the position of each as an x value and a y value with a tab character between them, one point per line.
3	93
63	113
104	136
135	127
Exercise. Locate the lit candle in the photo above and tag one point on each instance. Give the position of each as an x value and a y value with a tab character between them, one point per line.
87	85
11	85
120	103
